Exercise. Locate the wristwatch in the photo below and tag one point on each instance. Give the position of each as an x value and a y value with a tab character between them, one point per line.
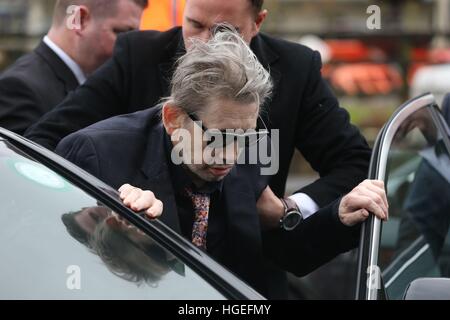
292	215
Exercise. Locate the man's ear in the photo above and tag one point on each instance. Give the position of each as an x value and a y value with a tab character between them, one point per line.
172	117
83	19
260	17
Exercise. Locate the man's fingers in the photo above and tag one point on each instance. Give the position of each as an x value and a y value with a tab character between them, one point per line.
379	190
370	205
378	183
376	194
132	196
138	200
124	187
125	190
155	210
357	217
368	196
357	202
376	186
144	201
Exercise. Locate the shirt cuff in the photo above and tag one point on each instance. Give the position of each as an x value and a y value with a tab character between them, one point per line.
306	205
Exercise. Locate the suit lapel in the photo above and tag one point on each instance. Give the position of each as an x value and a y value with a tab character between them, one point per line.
155	176
61	70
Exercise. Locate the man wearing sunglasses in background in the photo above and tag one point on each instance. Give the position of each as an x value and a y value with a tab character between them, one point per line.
217	89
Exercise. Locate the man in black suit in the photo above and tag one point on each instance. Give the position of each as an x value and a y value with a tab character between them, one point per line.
302	107
185	153
80	40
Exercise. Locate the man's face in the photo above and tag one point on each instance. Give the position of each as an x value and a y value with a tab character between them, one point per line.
216	163
200	16
101	34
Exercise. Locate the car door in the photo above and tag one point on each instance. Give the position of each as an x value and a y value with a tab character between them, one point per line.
66	235
412	156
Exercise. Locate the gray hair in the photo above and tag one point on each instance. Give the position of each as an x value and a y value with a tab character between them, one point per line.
222	68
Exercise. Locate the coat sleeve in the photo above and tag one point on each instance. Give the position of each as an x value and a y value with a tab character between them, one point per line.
329	142
316	240
79	149
19	104
102	96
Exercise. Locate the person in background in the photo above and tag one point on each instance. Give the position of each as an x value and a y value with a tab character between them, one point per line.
80	40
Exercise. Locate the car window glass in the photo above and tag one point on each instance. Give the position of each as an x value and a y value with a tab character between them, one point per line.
57	242
415	241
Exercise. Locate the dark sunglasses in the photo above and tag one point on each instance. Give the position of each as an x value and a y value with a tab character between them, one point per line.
229	136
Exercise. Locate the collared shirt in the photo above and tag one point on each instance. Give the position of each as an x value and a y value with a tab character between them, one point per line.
305	203
70	63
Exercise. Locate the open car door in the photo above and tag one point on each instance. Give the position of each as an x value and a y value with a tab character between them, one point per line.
412	156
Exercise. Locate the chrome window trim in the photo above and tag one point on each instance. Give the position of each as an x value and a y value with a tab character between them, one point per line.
386	141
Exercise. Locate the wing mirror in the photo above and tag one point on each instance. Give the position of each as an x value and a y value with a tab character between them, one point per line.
428	289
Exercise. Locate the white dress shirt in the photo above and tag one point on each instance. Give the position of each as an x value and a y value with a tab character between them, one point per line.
306	205
71	64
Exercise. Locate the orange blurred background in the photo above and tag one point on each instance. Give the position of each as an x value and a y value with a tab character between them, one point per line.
163	14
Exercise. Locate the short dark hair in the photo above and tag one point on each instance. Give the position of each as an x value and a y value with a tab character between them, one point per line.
100	8
257	5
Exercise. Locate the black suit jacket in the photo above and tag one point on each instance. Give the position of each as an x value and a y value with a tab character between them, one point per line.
302	107
32	86
131	149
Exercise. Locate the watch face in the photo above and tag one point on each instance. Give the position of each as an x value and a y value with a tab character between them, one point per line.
291	220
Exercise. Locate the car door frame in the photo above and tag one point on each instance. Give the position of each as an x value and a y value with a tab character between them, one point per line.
370	284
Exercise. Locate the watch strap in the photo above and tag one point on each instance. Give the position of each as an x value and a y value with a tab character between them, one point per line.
289	205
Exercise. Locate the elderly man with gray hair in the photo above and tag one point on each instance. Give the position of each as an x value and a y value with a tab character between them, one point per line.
184	154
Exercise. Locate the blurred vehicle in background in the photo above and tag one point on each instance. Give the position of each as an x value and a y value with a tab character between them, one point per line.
354	68
433	78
